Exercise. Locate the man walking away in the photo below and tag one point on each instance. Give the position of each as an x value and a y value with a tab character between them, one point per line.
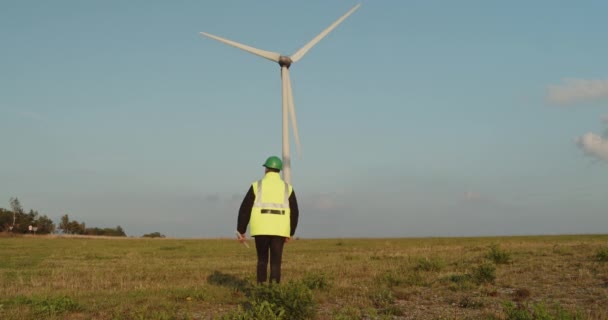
271	209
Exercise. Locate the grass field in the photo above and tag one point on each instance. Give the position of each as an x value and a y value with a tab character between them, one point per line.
548	277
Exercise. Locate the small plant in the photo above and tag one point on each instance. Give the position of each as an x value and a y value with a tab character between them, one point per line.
191	295
470	303
538	311
295	298
391	279
414	279
562	250
52	306
516	312
521	294
459	282
602	255
316	281
347	313
383	300
484	273
257	311
562	314
458	278
427	264
498	255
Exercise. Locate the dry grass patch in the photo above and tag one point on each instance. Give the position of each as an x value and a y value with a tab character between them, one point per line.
456	278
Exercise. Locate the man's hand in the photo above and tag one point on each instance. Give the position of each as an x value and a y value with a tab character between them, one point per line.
240	237
287	239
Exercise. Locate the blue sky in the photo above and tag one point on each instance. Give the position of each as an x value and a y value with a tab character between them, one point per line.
417	118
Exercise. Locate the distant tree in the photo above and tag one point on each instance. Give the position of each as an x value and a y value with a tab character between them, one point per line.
16	208
154	235
6	217
118	232
44	225
94	232
64	223
23	221
71	227
18	221
75	227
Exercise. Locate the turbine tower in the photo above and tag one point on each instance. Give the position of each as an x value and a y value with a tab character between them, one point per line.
285	62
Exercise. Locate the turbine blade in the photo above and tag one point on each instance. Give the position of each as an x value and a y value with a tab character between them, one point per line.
292	112
300	53
272	56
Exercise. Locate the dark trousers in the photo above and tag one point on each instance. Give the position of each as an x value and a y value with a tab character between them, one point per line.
274	246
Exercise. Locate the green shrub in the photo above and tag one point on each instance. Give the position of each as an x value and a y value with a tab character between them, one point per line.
347	313
276	302
484	273
427	264
394	279
391	279
458	278
458	282
521	294
414	279
516	312
49	306
498	255
538	311
257	311
470	303
295	298
383	300
560	313
316	281
602	255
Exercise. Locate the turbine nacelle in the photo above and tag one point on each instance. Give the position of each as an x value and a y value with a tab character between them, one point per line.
285	61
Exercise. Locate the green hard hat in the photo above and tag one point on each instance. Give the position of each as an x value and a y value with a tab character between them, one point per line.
274	163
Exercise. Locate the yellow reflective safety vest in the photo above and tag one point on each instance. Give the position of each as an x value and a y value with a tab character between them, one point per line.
270	214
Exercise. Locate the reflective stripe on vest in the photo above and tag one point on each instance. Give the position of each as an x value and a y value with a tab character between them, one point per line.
258	199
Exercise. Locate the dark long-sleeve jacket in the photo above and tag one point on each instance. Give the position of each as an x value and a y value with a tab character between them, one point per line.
247	205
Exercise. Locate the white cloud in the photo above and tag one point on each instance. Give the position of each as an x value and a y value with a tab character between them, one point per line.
604	118
577	90
594	145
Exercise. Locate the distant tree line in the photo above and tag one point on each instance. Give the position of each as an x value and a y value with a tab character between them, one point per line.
16	220
75	227
154	235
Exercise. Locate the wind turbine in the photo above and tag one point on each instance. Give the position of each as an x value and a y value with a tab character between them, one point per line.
288	105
